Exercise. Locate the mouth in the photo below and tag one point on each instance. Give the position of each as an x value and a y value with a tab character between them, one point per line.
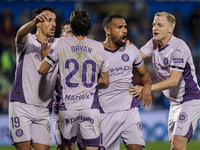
124	38
53	30
155	33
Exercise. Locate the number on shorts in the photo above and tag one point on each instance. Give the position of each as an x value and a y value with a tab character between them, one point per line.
84	72
15	122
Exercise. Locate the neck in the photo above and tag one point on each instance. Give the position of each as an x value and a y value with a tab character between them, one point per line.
42	38
108	43
81	37
164	42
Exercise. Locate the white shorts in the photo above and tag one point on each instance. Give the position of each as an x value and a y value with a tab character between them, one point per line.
56	130
183	119
124	124
29	123
87	122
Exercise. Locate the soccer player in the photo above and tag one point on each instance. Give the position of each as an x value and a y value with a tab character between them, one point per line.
120	117
82	66
173	64
58	103
31	93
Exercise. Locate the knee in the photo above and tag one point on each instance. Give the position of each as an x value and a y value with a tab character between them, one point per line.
175	145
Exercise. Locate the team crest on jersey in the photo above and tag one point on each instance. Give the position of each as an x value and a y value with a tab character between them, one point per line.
125	57
19	132
139	125
37	56
182	117
165	61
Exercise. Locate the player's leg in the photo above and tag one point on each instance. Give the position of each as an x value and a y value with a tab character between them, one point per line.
23	145
132	134
41	129
57	133
111	128
178	142
90	128
182	123
20	120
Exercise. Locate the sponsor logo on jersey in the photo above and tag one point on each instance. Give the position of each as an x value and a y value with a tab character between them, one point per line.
79	118
178	60
118	70
48	127
78	97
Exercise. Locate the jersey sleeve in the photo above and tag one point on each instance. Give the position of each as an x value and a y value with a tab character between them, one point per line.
22	47
105	64
147	49
179	57
52	57
138	59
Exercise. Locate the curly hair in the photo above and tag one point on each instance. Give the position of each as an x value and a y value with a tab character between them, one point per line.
41	9
80	22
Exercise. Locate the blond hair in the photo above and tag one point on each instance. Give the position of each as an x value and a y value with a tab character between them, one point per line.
171	19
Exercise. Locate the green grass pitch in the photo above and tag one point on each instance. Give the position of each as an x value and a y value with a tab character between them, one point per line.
193	145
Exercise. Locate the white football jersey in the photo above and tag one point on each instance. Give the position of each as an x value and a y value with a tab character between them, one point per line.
121	62
29	86
80	62
175	55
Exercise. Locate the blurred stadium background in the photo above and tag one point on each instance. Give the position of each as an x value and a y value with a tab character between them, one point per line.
139	16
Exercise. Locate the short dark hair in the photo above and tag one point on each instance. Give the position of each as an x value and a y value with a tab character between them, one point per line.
38	10
80	22
67	22
109	18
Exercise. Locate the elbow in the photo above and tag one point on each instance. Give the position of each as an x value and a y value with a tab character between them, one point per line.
174	83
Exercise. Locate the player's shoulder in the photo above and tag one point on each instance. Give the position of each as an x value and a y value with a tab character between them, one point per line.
130	47
179	43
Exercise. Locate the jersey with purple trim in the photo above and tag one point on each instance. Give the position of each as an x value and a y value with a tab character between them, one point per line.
29	86
121	62
174	56
80	62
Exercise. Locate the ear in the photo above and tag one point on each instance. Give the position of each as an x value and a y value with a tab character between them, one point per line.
171	29
107	31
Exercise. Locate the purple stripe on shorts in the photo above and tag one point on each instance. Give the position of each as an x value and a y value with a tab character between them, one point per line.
135	103
11	139
189	133
95	104
17	93
191	89
92	142
68	141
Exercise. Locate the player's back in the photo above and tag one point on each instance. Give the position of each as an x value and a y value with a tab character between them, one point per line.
80	62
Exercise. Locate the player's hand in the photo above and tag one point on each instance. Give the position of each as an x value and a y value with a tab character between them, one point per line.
141	92
45	48
146	96
128	43
135	90
42	17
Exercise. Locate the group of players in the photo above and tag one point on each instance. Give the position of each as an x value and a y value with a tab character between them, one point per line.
95	102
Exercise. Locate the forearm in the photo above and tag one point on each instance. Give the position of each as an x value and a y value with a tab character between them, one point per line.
146	80
24	30
163	85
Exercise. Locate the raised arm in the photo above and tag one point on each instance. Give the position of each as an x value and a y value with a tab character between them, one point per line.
26	28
